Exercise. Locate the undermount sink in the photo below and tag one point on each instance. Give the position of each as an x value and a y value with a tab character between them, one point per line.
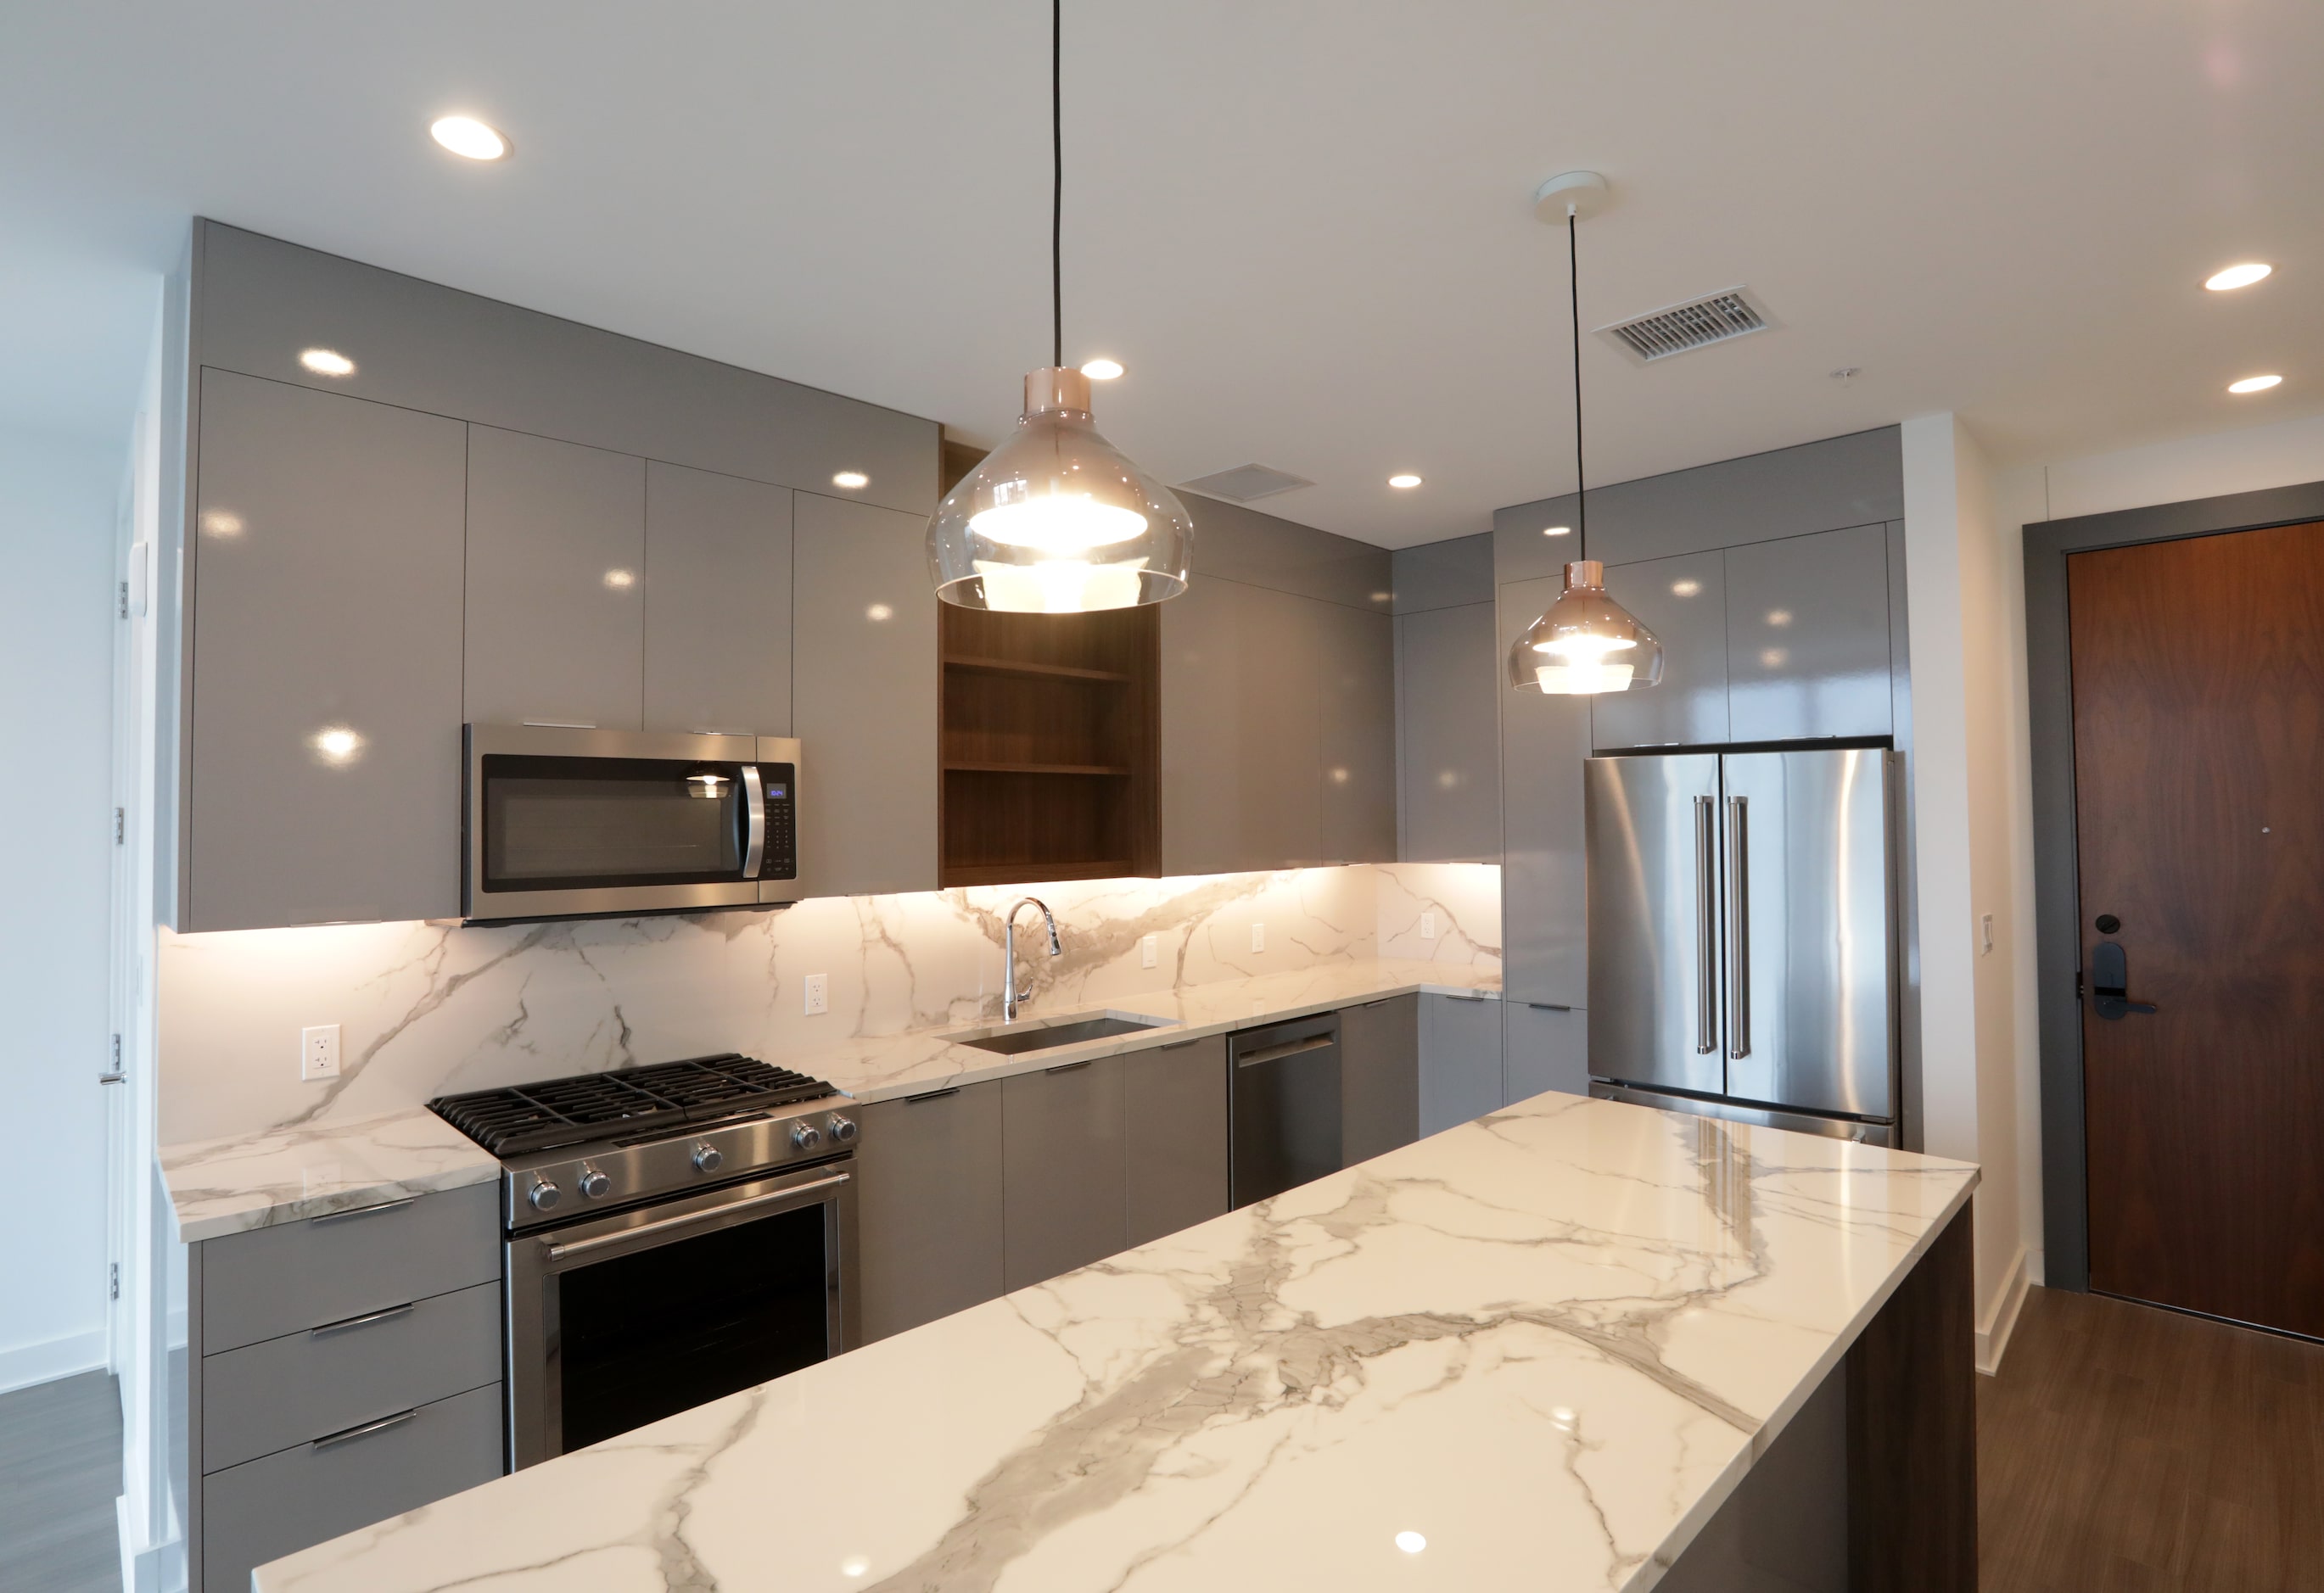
1046	1034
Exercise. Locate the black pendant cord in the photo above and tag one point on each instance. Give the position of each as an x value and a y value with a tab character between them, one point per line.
1056	184
1573	283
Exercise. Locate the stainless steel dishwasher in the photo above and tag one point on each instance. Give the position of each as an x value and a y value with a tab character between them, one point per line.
1286	1097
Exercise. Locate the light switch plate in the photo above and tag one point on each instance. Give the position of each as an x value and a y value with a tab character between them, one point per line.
1258	937
818	994
319	1051
1428	926
1147	953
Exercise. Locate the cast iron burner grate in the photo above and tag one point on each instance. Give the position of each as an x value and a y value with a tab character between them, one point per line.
524	1118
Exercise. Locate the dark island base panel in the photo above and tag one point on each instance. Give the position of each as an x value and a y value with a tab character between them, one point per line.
1872	1487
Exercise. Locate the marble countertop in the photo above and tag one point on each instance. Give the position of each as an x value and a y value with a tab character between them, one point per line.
1549	1342
228	1185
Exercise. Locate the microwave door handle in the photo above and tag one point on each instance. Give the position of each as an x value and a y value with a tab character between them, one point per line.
755	823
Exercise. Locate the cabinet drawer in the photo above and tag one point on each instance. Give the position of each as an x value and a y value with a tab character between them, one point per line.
264	1509
269	1395
274	1281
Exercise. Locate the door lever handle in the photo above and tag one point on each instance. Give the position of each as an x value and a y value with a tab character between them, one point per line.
2110	982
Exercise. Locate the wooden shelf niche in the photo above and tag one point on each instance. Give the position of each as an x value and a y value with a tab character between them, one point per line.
1051	745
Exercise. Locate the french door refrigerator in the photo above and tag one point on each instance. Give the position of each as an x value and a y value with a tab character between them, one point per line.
1743	937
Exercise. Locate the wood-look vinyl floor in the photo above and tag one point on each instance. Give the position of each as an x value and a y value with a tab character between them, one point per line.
59	1473
2124	1447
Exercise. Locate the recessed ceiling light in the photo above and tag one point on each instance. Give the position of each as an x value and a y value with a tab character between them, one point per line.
1102	370
465	135
327	362
2253	384
851	480
2237	276
1411	1542
338	743
1557	530
1406	479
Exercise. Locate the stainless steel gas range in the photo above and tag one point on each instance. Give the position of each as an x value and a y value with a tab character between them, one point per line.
675	1233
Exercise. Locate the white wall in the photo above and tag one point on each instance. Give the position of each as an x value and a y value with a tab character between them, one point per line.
57	506
1965	596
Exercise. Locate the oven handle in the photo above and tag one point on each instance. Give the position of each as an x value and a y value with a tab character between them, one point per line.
716	1214
754	831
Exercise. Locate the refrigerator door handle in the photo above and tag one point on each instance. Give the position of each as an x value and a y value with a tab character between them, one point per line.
1706	927
1739	928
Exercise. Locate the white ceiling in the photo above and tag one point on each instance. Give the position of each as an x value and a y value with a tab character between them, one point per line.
1306	227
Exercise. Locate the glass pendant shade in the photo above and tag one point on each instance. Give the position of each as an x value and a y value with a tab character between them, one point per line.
1056	519
1586	643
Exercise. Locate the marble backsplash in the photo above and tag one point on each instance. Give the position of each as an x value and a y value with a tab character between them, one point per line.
427	1007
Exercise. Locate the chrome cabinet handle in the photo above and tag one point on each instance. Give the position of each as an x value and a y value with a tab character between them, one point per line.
754	828
364	1321
351	1214
1739	928
1706	928
363	1430
772	1197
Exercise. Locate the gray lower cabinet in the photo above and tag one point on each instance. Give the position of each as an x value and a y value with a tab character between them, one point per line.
1807	636
1174	1143
717	602
1543	868
326	668
1356	732
1449	683
928	1207
1063	1161
1684	602
864	649
1459	1059
1545	1048
555	589
1380	1077
1242	728
342	1371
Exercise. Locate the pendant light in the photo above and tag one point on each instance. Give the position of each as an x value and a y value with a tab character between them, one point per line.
1587	643
1056	519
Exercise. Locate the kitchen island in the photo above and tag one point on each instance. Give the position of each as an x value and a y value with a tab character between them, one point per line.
1541	1349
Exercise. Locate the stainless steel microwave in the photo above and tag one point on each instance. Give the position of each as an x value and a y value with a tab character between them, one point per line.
565	821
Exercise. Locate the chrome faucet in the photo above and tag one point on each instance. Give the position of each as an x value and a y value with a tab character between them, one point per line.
1009	997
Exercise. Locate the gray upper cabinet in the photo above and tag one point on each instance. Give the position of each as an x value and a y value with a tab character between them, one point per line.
1241	731
325	666
1175	1137
1356	729
556	619
864	699
928	1209
1063	1177
1448	685
1380	1078
717	602
1807	636
1684	602
1544	742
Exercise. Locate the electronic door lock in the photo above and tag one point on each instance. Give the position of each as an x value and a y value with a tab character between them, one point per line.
2110	982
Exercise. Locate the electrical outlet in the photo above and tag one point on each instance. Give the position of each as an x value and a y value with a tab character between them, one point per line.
1147	951
818	994
319	1051
1428	926
1258	937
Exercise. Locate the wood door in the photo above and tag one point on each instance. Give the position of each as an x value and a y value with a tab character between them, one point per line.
2199	776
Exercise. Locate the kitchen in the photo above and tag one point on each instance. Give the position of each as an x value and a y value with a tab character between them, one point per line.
1248	986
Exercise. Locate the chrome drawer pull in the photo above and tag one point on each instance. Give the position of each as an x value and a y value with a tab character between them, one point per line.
932	1095
406	1309
363	1430
1067	1067
362	1211
1180	1044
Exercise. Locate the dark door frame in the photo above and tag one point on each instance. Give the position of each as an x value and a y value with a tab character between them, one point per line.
2065	1191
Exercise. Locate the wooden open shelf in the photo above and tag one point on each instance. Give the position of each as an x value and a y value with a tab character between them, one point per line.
1020	667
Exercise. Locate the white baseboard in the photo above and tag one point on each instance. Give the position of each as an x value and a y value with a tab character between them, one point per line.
160	1568
28	1364
1993	1333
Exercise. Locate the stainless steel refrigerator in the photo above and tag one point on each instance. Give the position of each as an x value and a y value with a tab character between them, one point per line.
1743	937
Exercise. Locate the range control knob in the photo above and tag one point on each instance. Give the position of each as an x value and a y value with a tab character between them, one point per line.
843	1131
805	1135
594	1184
707	1158
543	1194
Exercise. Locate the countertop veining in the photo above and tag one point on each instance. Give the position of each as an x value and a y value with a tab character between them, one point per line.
1550	1342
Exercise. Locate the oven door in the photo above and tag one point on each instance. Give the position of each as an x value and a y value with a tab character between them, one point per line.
619	1321
562	821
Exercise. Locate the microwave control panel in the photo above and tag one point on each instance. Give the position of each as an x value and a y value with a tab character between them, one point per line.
781	859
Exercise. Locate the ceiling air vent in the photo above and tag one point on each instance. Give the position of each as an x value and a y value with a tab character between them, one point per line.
1247	483
1715	317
